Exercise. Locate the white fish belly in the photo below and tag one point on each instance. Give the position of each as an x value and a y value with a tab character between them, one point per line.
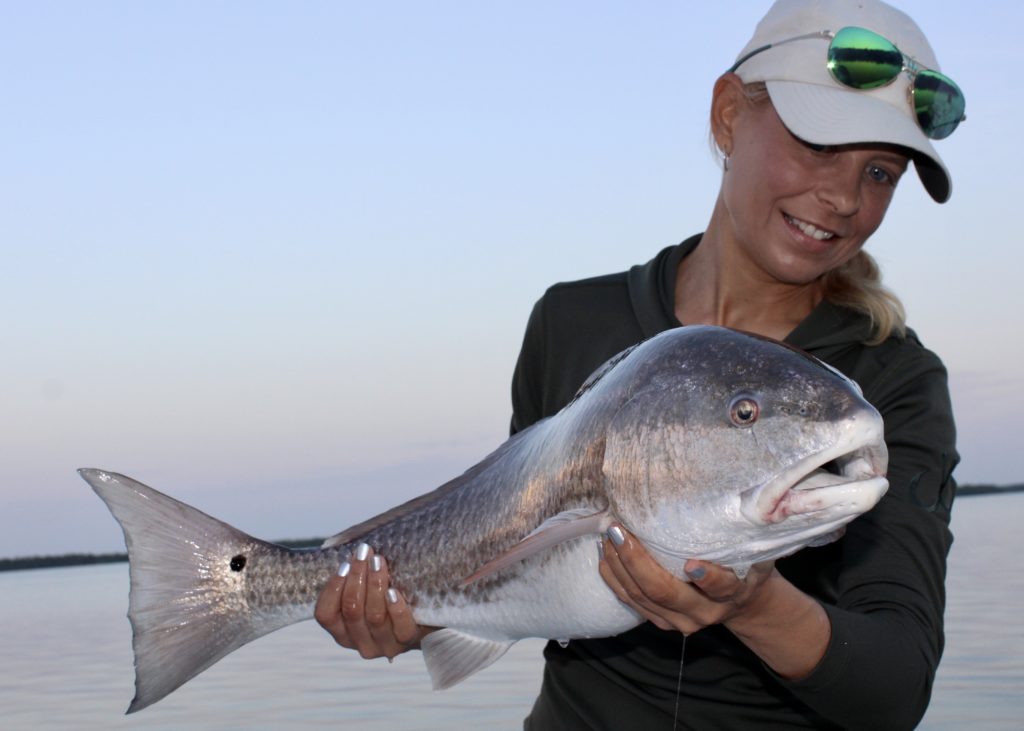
558	595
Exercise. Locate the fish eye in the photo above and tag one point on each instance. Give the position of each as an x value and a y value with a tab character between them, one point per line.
744	410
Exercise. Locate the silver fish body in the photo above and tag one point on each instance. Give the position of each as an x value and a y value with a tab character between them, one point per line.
704	442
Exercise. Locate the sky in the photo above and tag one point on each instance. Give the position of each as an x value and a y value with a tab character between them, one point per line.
275	259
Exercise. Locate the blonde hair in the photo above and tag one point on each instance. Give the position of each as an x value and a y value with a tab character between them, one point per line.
856	283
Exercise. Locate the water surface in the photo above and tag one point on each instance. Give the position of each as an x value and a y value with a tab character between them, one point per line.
67	664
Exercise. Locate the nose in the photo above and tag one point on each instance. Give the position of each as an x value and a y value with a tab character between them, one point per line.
840	185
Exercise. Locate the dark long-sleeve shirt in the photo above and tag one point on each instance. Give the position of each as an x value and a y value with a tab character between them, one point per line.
882	584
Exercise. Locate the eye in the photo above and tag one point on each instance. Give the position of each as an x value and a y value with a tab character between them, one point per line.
744	410
880	175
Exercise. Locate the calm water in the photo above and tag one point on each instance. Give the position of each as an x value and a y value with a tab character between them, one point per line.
66	658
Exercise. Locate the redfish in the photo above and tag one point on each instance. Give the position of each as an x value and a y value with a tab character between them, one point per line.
702	441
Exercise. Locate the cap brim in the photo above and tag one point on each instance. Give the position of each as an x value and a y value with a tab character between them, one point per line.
833	116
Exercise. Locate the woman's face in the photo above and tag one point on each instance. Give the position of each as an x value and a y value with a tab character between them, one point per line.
794	210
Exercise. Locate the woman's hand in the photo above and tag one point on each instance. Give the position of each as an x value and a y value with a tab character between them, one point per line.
787	629
362	612
713	595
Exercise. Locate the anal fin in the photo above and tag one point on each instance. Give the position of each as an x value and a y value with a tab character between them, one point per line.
452	656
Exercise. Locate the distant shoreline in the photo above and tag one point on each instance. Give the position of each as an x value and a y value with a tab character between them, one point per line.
89	559
968	490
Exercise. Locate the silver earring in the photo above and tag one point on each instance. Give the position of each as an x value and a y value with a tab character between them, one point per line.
725	163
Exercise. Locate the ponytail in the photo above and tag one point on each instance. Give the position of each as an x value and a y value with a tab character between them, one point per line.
857	284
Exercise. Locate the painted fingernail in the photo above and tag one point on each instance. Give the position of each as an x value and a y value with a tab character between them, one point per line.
362	551
616	535
344	569
392	596
600	550
696	574
376	563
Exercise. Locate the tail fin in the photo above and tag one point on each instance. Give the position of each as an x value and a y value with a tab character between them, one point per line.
186	605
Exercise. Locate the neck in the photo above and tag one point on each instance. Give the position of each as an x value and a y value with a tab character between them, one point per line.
717	285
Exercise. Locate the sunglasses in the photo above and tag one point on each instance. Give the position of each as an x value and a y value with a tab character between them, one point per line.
861	59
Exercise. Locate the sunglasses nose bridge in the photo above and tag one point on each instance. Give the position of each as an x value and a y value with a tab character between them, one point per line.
911	66
897	92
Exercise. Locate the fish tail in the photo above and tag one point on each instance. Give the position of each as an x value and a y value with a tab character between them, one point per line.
187	605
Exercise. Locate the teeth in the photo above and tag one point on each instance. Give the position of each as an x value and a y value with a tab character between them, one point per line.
810	230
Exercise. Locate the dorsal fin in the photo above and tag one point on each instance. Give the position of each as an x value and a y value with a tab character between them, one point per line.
601	372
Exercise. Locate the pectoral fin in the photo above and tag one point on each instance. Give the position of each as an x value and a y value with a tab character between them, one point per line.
452	656
554	530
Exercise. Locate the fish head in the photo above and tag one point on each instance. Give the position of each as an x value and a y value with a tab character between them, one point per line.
736	449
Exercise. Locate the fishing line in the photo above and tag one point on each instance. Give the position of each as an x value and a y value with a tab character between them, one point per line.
679	684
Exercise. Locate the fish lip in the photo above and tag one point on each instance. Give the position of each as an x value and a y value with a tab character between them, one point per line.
845	497
802	489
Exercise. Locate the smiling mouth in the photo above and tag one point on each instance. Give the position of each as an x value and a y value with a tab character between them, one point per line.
809	229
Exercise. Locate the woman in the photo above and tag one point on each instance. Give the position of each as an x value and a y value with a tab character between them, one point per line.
815	126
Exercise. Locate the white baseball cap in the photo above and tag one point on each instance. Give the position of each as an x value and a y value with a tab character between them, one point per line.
818	109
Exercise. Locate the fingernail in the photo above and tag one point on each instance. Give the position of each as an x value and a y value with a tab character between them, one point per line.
392	596
376	563
616	535
696	574
344	569
600	550
362	551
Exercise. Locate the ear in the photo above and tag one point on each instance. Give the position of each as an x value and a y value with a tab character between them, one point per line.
727	102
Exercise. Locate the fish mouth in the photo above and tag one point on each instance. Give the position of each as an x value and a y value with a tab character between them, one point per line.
838	482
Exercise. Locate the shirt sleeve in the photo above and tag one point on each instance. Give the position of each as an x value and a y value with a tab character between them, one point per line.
528	376
887	630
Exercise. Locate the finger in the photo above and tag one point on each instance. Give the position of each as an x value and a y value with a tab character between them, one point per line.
657	587
353	605
715	582
610	567
610	578
660	597
378	621
407	632
328	608
622	581
402	631
722	584
615	572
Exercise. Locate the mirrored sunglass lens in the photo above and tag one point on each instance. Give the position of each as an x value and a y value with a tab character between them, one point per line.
862	59
938	103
